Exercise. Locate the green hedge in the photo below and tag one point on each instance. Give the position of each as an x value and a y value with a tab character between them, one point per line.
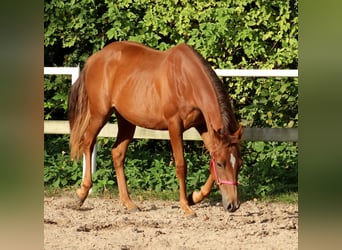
242	34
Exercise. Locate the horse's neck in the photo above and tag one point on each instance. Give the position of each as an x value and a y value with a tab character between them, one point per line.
205	90
209	105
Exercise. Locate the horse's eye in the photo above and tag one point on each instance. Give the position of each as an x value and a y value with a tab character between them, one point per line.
220	165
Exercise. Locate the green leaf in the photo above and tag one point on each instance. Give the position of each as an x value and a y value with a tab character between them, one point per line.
259	146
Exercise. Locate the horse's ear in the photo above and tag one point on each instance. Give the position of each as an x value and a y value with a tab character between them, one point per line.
238	133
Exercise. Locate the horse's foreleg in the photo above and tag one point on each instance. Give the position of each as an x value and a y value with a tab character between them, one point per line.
125	135
181	168
198	196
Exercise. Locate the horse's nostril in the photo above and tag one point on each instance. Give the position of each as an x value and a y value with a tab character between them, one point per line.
230	207
238	205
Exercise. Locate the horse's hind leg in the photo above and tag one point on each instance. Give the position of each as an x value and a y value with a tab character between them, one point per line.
124	137
97	121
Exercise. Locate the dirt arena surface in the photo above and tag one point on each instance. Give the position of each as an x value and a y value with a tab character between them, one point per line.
105	224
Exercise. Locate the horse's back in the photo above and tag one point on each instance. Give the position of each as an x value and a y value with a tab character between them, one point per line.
144	85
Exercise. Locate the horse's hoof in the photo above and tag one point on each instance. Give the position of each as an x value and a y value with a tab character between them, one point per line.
134	210
191	215
75	203
190	199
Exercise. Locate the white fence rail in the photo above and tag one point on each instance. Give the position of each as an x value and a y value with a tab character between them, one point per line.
257	72
110	130
73	71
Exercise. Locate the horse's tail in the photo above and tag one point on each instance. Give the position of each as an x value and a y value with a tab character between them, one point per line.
79	115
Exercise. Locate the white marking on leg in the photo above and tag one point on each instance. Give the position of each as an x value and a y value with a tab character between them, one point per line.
232	160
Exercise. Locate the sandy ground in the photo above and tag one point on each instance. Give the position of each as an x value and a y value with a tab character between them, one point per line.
105	224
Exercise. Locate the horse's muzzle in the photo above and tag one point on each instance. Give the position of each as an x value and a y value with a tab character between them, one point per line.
233	206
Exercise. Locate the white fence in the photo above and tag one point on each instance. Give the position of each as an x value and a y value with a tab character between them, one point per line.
261	134
73	71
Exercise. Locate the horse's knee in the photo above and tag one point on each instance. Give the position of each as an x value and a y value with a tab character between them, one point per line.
87	185
181	170
117	154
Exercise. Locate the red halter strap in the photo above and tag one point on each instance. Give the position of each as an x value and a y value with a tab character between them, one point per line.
218	180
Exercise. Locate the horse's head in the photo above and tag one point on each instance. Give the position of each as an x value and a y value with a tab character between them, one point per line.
225	165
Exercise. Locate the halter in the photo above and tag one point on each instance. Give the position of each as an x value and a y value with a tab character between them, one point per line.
218	180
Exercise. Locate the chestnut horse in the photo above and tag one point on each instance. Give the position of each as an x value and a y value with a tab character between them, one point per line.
171	90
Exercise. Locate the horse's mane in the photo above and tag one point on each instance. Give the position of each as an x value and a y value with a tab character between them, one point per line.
229	122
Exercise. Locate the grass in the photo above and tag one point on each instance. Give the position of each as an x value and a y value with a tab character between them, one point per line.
140	195
285	198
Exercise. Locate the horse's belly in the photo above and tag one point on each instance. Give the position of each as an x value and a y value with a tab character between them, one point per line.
146	118
144	105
